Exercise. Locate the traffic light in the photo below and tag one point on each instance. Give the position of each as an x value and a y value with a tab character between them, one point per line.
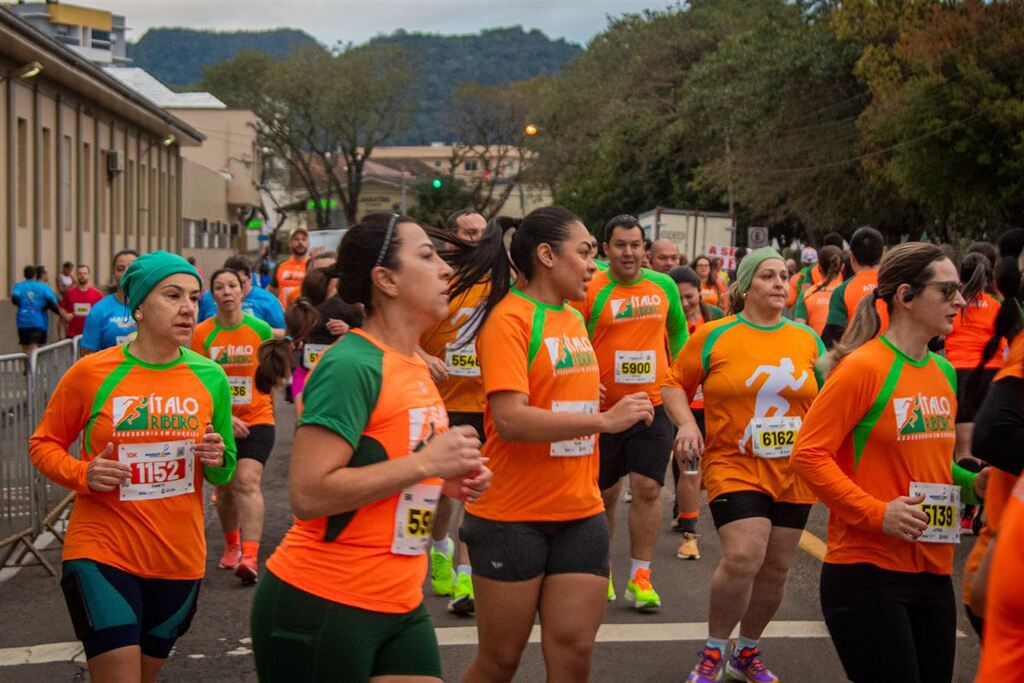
436	183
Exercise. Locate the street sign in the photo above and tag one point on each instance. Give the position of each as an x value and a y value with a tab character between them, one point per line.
757	237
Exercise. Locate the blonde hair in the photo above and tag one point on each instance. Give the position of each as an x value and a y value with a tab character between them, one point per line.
904	264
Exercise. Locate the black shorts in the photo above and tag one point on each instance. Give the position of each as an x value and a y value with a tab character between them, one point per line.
641	449
730	507
111	608
518	551
31	335
258	444
965	408
474	420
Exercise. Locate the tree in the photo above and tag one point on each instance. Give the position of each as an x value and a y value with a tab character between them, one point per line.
323	113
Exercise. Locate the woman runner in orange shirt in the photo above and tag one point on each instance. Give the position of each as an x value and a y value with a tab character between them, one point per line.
342	596
155	420
539	538
812	303
712	291
877	447
231	339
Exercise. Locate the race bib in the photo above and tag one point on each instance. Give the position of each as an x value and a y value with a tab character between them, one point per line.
311	354
462	361
773	437
581	445
81	310
241	390
159	470
942	505
634	367
414	518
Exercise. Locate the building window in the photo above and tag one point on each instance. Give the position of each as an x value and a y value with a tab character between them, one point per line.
100	39
471	165
65	182
437	164
47	181
69	35
22	173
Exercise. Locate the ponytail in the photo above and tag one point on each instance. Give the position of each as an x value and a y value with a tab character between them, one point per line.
736	300
275	355
1008	322
830	262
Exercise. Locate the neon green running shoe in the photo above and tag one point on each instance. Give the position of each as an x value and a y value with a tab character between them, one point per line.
441	572
611	588
641	593
462	595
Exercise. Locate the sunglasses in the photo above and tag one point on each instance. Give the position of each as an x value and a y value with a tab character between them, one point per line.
949	288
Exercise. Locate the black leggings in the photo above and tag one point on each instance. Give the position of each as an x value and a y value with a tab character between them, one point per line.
890	626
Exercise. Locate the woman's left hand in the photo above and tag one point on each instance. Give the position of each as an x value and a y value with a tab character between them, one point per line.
981	482
211	450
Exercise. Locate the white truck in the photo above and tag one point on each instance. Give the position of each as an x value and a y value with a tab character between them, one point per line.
694	232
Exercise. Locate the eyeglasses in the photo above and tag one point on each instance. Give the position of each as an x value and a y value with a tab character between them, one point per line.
949	288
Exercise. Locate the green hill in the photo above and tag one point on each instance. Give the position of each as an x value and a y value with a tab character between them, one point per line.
177	56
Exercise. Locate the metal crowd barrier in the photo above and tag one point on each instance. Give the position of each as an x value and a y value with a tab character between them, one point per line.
30	504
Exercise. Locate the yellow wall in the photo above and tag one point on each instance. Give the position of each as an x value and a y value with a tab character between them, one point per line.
81	16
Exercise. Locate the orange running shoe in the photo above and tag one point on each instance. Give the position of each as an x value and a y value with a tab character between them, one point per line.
231	557
247	571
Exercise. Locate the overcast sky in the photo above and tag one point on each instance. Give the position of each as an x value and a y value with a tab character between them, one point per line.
358	20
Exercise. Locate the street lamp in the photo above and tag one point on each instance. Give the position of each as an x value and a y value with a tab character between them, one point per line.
531	129
24	72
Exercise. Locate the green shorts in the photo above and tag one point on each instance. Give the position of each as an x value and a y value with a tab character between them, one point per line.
297	636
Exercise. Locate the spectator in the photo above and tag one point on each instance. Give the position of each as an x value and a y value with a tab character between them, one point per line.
79	300
65	280
33	299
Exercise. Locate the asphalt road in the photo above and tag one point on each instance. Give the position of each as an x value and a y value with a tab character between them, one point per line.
632	647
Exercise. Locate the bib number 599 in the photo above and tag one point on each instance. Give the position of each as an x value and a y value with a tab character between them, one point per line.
419	522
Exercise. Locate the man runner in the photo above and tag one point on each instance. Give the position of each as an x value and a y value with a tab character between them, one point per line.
289	273
866	248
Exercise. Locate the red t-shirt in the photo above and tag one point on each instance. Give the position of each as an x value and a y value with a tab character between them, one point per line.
79	302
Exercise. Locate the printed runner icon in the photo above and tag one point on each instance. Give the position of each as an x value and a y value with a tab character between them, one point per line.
769	396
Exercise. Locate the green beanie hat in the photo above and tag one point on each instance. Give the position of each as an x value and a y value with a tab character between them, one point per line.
750	264
147	271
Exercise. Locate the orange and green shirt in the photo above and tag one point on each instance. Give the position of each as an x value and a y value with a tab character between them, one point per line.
812	305
374	557
288	279
758	383
153	415
463	391
542	351
882	424
713	295
637	328
846	296
234	349
715	313
973	326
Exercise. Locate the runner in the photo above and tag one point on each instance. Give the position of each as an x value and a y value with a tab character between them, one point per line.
686	511
812	303
110	323
155	418
256	301
341	595
712	291
231	339
664	255
877	446
449	348
758	376
866	248
289	272
539	538
79	299
628	310
34	300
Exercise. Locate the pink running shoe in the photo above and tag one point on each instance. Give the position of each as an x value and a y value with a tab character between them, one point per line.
746	665
708	668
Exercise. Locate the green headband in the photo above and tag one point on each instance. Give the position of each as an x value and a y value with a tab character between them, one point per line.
749	265
147	271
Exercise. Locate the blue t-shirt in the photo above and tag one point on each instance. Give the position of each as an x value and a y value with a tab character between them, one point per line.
108	324
32	298
258	303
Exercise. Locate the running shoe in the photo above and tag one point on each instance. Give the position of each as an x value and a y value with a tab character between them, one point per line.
611	589
688	549
462	595
441	572
641	593
708	669
247	571
232	556
746	665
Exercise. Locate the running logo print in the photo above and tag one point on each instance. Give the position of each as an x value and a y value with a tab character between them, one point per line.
923	417
769	396
570	354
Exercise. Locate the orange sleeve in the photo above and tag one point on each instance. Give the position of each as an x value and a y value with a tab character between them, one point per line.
64	419
502	349
687	370
841	404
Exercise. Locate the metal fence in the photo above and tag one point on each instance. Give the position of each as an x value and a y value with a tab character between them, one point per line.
30	504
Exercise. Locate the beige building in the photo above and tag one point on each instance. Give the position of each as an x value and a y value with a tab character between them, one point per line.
89	166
